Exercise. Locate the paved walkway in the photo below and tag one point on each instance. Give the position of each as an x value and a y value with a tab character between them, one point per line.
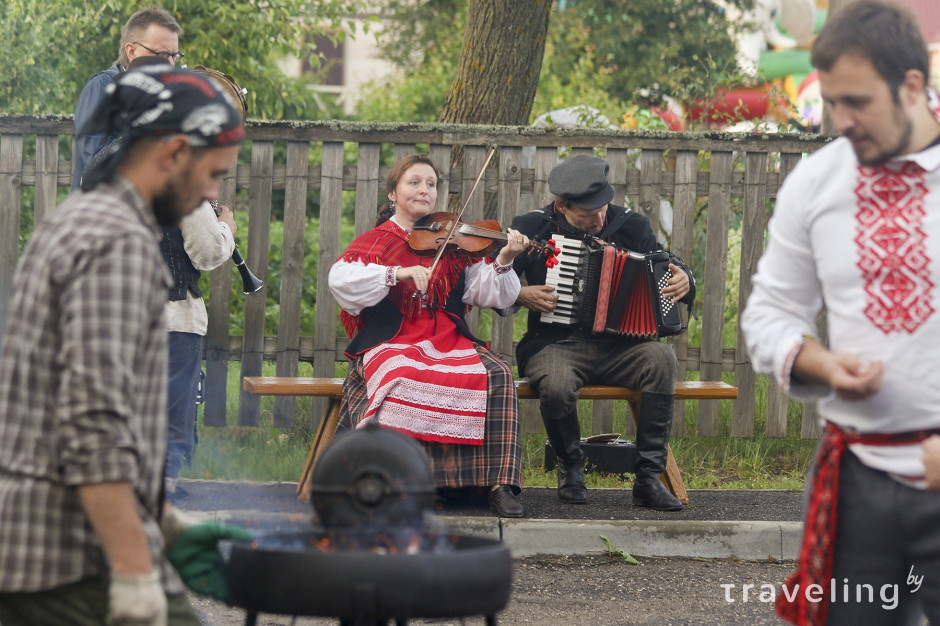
750	525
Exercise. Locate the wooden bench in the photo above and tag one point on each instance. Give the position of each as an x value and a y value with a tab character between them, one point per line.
332	388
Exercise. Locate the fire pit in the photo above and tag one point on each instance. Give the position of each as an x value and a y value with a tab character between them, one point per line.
376	553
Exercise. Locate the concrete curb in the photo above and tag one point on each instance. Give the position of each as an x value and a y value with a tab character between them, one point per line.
701	539
526	537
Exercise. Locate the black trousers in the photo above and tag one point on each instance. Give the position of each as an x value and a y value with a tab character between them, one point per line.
887	550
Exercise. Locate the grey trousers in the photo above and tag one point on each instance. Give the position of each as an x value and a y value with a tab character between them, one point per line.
887	537
559	370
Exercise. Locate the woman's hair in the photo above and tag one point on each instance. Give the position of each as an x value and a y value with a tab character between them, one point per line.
395	175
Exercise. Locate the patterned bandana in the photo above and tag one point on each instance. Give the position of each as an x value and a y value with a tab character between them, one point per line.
159	101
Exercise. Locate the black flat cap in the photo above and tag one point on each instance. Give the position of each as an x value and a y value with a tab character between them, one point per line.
582	180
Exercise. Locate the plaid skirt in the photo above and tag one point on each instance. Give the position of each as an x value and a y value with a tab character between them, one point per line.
497	462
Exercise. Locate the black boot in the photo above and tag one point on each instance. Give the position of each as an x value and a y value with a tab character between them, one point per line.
565	436
652	435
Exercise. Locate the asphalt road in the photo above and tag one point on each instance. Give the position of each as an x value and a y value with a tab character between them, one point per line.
587	590
539	503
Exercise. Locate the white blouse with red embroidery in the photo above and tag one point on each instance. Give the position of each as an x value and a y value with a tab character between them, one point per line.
866	241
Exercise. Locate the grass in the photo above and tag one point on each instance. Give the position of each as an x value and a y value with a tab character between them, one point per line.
266	453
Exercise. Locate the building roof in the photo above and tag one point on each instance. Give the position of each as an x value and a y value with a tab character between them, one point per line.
928	12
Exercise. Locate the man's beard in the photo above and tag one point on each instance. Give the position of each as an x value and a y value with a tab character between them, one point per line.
168	207
904	140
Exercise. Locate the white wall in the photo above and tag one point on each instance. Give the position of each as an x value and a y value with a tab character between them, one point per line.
362	63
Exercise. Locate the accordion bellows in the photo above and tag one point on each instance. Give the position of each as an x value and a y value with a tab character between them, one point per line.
603	289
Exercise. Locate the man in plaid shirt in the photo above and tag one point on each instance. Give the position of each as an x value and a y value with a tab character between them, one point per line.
83	372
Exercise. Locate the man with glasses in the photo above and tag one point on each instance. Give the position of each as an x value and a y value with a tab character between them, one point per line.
151	31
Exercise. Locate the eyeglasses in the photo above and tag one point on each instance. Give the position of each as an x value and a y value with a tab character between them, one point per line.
169	56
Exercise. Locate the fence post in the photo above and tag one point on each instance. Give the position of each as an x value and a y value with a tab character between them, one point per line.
259	231
292	278
440	154
752	246
473	157
217	340
367	186
11	179
510	181
331	211
683	221
47	173
545	160
716	262
777	400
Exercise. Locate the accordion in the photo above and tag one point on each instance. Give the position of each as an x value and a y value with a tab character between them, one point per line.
605	290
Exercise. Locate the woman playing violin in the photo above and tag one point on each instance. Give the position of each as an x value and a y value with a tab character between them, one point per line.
415	366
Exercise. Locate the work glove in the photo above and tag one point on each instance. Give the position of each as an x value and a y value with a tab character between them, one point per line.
137	600
192	548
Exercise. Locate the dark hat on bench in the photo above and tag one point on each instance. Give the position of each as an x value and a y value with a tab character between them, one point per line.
582	180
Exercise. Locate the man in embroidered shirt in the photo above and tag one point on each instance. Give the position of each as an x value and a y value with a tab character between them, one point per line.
83	370
857	226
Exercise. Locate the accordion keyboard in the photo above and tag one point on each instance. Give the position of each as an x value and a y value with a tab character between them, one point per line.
564	277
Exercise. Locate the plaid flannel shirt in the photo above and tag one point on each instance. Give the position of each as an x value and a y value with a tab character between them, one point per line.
83	380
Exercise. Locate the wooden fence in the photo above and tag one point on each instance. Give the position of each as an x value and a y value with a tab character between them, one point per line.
706	177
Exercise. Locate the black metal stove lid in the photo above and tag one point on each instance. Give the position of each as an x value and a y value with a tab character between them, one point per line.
375	477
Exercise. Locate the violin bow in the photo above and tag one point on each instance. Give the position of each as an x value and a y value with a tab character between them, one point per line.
453	231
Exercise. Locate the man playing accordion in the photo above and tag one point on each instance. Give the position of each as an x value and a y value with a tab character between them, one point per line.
559	359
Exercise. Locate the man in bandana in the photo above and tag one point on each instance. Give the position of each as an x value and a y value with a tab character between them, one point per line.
83	374
857	226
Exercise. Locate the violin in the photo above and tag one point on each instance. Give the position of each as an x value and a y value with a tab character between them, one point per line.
475	240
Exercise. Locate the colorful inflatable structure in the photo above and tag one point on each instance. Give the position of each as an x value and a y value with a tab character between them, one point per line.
790	91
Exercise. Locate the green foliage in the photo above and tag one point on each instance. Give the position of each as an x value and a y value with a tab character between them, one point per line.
648	44
51	48
417	97
425	40
606	54
572	74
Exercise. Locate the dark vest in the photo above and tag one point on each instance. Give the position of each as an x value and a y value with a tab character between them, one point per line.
381	323
185	276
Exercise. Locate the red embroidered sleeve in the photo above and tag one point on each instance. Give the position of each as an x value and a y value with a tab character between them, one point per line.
390	275
501	269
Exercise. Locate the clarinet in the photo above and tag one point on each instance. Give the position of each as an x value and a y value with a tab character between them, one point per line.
250	282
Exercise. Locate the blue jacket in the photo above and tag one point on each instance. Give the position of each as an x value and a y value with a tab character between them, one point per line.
86	147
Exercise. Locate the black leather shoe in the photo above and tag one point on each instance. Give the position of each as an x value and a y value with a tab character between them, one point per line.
650	491
504	503
571	487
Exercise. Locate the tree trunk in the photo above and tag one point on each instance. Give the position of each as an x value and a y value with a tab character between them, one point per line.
500	62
